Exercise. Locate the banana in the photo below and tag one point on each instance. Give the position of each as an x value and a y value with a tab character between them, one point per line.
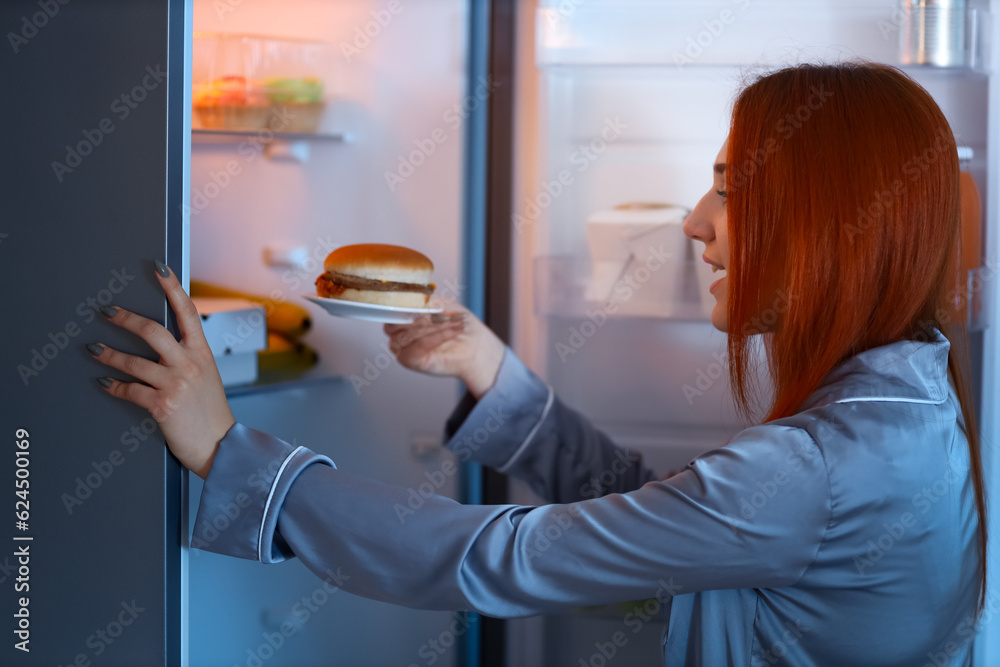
286	318
278	343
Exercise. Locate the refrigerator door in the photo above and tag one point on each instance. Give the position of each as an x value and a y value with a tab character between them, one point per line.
94	165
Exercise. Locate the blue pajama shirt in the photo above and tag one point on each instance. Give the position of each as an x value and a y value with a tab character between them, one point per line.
842	535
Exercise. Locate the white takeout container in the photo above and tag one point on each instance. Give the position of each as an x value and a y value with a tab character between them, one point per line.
645	244
609	232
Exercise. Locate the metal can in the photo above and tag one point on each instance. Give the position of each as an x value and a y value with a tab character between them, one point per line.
933	33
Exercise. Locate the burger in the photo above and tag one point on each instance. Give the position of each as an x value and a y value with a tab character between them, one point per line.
376	273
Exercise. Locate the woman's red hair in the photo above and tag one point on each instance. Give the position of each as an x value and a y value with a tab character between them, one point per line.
844	209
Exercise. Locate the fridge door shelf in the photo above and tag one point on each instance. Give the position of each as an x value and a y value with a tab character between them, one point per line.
567	286
681	34
974	300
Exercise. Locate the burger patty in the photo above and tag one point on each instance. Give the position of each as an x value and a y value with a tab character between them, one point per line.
337	282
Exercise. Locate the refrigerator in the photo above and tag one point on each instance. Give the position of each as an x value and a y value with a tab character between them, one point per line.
493	137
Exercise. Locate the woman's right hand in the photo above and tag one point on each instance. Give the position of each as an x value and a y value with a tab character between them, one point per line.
464	348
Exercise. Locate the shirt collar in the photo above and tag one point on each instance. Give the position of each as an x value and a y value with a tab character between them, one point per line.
906	370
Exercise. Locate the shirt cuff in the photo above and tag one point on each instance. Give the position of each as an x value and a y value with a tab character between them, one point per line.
498	428
243	493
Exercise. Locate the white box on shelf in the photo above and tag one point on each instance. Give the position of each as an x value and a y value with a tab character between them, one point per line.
642	246
683	278
235	330
610	232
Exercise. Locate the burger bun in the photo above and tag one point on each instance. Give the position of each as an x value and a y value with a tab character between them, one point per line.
378	262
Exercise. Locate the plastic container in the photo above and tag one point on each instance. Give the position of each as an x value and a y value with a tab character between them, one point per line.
249	82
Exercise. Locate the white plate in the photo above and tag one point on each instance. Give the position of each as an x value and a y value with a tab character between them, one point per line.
368	311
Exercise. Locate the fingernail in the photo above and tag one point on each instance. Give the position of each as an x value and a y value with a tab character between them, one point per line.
109	311
95	349
162	268
105	382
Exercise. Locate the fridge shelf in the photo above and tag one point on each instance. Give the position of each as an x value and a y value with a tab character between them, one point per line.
724	33
567	286
571	287
281	382
289	146
264	136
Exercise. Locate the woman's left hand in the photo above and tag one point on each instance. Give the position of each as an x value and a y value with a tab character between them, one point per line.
183	391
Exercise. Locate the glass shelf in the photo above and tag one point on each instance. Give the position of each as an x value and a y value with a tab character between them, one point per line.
571	287
264	136
714	33
273	382
282	146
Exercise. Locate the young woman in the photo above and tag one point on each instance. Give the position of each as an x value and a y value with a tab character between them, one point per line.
845	528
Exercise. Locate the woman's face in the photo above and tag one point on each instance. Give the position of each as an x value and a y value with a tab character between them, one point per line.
707	223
